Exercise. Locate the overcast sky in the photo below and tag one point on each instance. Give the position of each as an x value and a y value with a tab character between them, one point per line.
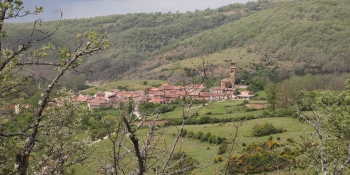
90	8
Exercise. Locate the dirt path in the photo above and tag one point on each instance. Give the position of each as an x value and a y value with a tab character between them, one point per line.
94	84
138	116
158	122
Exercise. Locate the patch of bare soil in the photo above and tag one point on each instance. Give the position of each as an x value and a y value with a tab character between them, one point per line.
257	105
94	83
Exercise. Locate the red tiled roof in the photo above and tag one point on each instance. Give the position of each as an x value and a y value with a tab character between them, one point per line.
152	88
153	92
180	93
168	87
193	93
100	94
157	100
82	98
159	94
204	94
170	95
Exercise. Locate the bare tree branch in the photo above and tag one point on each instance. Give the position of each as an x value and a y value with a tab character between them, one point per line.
38	63
141	160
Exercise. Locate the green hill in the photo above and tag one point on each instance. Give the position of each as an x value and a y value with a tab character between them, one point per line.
287	37
135	37
124	85
310	34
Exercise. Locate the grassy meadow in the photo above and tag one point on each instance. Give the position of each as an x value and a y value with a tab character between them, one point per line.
221	109
130	85
205	152
199	150
237	56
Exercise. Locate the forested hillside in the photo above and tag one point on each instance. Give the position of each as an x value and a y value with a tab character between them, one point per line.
138	37
309	35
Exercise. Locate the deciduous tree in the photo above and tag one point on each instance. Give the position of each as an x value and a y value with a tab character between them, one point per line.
271	91
22	133
330	118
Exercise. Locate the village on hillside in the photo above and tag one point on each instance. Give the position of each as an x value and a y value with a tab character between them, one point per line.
163	94
167	93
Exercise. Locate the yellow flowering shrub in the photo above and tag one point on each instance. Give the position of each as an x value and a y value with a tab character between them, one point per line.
262	157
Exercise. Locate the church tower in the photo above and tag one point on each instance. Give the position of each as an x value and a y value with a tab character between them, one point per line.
232	75
229	82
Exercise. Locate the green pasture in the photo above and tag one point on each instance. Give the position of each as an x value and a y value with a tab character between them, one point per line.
102	152
129	84
293	129
221	109
257	101
261	94
205	152
237	56
231	56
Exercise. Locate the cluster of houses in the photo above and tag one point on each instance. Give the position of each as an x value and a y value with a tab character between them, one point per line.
167	93
163	94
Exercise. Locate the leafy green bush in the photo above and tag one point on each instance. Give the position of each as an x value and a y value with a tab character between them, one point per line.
291	140
178	155
151	107
256	85
182	161
270	138
220	140
223	148
212	139
218	159
190	134
184	133
206	137
265	113
265	129
284	112
199	135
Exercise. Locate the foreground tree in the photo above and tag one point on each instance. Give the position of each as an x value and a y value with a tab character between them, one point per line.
58	146
23	131
330	118
148	151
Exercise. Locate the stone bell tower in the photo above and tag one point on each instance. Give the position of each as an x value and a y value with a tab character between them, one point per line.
232	75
